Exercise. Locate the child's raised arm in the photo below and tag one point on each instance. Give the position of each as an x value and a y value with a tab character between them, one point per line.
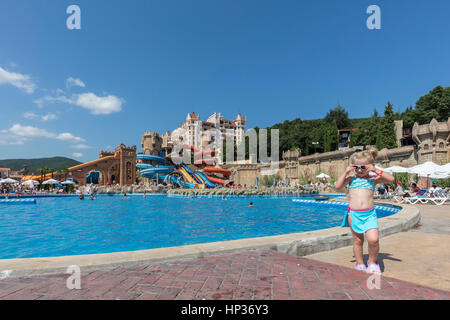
343	180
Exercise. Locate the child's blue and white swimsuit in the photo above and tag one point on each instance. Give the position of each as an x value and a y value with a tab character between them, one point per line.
362	220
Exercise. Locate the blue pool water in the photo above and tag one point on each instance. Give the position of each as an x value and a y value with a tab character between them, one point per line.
69	226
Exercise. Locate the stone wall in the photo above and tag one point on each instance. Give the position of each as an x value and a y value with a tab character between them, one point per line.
332	163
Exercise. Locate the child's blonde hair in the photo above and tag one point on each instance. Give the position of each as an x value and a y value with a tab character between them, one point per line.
368	155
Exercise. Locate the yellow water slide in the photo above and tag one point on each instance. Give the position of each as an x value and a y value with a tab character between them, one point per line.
187	176
92	162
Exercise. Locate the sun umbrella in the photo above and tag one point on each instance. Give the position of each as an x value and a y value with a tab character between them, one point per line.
425	169
50	181
30	183
396	169
444	171
68	182
9	180
322	175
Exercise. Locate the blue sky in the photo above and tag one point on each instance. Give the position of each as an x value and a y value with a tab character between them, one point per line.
139	66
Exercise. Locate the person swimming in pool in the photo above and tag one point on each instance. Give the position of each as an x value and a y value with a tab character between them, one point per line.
124	196
251	204
361	216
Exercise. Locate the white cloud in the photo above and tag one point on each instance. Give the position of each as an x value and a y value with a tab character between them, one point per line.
21	81
22	133
77	154
48	117
81	146
30	115
6	139
64	99
30	132
70	82
97	105
66	136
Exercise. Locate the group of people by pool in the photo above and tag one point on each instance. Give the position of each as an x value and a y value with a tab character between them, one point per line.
92	196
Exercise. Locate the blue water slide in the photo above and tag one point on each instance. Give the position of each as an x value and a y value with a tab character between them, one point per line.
205	179
162	171
181	182
151	157
93	176
185	184
192	174
151	172
148	166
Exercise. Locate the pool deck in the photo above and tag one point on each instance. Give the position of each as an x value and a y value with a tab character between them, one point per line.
415	266
420	255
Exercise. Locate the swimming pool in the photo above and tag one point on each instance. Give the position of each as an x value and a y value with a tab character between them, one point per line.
68	226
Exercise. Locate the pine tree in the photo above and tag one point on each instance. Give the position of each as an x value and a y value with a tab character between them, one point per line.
386	130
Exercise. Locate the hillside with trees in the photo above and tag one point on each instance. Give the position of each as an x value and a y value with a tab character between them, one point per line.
376	130
35	165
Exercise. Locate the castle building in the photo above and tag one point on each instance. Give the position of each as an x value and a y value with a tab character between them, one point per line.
195	132
433	141
118	167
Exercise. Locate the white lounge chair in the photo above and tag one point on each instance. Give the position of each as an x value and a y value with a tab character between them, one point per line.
426	199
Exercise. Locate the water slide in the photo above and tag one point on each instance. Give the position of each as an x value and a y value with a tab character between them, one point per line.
159	172
150	157
92	177
226	173
205	179
196	177
208	161
204	154
186	175
79	166
217	180
162	173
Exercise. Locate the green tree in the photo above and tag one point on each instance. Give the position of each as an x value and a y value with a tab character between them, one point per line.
330	138
366	132
386	130
408	117
339	116
435	104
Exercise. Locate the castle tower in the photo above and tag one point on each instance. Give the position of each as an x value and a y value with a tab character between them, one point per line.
240	128
151	143
127	164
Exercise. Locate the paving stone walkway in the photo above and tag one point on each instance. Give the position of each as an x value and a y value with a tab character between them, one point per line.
250	275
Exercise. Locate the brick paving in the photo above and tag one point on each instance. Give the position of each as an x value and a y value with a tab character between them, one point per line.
249	275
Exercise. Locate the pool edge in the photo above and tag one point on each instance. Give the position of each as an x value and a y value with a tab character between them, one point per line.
297	244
